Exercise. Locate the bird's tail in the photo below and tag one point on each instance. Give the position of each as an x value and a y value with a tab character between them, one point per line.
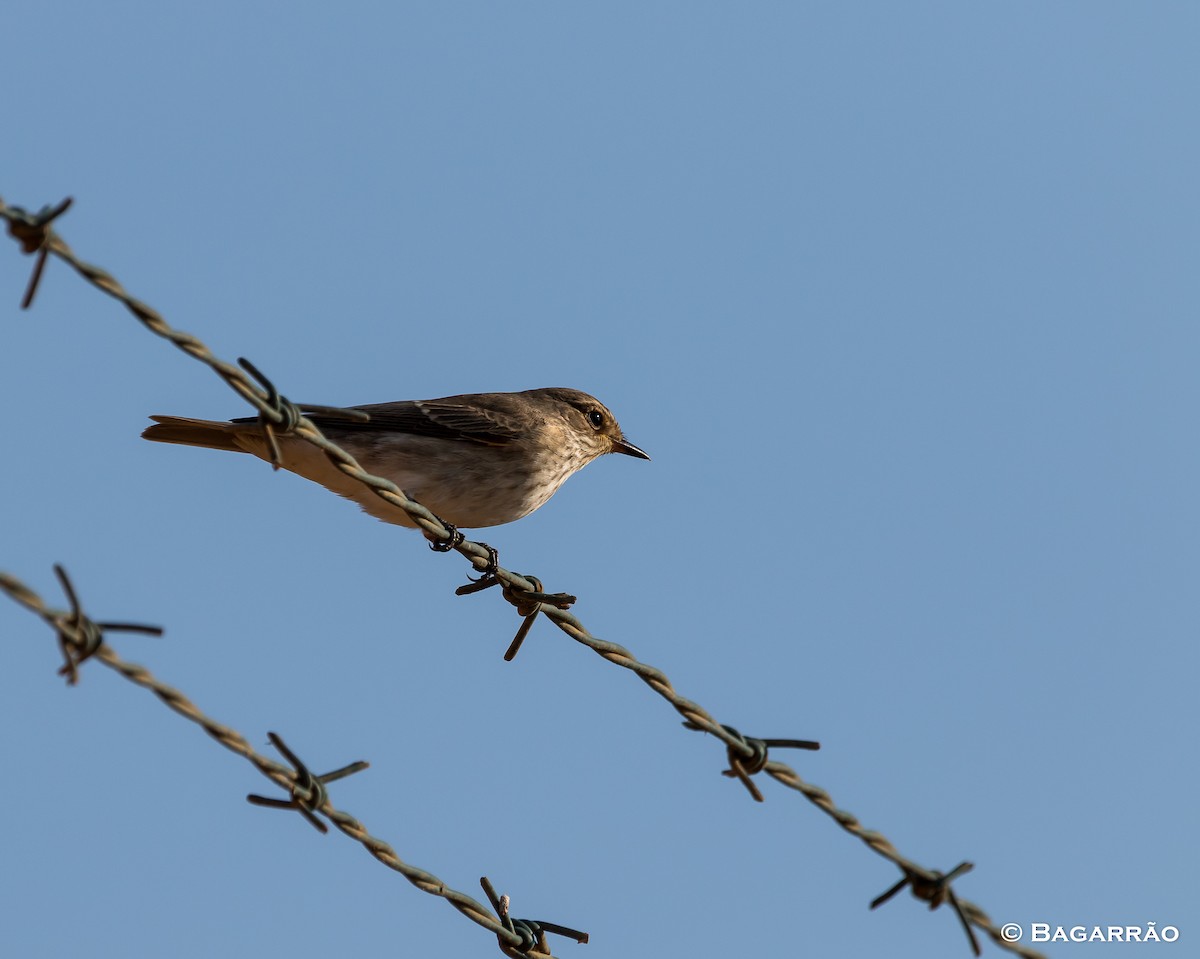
189	432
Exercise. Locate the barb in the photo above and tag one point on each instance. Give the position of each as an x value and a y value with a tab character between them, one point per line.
743	769
299	783
935	891
290	414
532	932
309	794
527	601
79	637
33	232
523	592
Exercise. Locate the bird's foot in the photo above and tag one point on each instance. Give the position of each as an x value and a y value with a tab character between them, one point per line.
493	560
455	538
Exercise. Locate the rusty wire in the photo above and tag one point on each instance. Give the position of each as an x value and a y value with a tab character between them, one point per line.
307	792
35	233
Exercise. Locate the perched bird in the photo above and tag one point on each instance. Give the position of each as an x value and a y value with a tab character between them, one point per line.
480	459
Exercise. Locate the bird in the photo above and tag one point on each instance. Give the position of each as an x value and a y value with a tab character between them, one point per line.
474	460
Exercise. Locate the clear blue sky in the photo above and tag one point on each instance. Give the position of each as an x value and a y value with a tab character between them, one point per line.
901	298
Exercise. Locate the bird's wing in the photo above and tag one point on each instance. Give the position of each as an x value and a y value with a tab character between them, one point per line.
452	418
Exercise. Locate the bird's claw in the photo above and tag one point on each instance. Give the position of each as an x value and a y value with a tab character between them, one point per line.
455	538
493	562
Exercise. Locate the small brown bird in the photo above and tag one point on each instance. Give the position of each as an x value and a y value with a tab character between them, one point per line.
480	459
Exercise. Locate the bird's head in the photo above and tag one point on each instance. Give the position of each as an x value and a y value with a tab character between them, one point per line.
591	423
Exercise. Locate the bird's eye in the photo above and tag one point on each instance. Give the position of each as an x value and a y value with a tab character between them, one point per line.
596	418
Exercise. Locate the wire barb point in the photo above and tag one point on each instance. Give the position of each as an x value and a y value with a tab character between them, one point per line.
934	888
528	602
743	766
79	636
33	231
285	416
531	932
309	794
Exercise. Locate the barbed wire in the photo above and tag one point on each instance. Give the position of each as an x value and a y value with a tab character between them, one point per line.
81	639
747	755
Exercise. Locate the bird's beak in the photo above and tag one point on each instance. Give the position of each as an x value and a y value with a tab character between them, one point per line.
624	446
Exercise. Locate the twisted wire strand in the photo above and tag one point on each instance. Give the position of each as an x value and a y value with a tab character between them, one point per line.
695	716
281	775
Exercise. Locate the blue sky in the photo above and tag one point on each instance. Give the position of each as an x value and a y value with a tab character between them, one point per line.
900	298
